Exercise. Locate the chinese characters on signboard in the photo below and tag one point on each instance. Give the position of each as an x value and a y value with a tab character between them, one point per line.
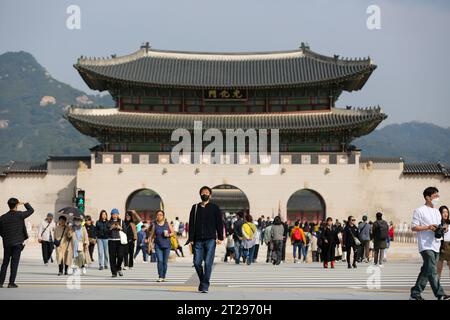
225	94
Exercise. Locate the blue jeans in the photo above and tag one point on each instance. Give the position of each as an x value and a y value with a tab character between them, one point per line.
249	255
204	251
238	251
297	245
305	252
103	252
162	255
428	273
144	252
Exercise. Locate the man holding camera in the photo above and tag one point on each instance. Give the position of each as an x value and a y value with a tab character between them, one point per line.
14	233
426	220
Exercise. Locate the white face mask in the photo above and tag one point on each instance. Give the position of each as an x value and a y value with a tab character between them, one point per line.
435	202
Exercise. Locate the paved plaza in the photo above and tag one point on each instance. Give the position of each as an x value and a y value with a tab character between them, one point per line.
229	281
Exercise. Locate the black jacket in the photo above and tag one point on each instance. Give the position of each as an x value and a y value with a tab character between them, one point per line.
208	223
92	231
114	233
349	235
101	228
237	229
12	226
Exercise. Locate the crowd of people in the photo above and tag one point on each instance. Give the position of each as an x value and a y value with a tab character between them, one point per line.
328	241
119	241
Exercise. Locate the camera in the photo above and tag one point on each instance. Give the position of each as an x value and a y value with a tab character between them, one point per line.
439	232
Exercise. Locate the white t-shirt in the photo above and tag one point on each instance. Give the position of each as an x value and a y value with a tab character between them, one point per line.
425	216
176	226
447	234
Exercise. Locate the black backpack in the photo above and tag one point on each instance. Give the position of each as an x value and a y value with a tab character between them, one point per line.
382	230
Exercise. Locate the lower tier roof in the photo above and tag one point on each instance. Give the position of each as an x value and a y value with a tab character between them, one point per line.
90	121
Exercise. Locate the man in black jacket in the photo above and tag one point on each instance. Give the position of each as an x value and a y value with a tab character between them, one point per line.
13	232
205	226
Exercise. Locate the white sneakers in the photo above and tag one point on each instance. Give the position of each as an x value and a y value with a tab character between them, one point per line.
83	270
125	268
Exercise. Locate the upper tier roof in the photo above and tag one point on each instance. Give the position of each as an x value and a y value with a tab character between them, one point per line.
92	121
294	68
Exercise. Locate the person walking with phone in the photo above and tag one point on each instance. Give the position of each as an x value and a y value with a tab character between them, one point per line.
46	235
115	246
14	233
206	230
160	238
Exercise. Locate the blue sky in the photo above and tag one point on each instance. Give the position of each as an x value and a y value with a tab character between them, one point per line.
412	81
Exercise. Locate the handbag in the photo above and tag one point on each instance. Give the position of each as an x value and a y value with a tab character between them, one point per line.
58	242
123	237
357	242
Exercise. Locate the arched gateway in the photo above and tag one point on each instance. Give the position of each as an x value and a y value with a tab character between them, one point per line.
146	202
307	206
230	199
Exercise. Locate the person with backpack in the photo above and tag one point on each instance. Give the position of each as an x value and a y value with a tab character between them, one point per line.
297	240
276	238
365	232
249	233
380	235
238	237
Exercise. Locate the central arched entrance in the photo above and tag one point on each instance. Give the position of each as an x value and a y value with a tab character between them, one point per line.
230	199
306	206
146	202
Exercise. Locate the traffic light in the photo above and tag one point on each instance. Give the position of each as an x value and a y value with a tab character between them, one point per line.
80	200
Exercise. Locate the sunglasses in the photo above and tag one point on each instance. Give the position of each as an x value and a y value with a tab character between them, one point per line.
353	219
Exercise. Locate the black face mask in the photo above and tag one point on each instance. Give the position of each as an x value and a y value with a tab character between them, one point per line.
204	197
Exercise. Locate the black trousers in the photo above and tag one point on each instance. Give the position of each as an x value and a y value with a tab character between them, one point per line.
255	254
349	253
116	251
129	254
91	251
47	250
283	251
11	253
63	267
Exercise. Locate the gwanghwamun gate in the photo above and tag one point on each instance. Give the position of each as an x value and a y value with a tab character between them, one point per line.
204	94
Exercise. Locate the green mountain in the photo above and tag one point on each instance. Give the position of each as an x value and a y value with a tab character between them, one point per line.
413	141
32	104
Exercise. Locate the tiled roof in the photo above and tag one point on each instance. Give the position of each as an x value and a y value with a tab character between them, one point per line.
69	158
425	169
24	167
89	120
301	67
